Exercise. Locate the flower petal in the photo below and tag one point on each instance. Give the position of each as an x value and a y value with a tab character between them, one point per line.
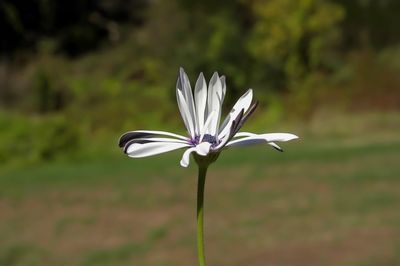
244	134
246	116
243	103
186	116
137	150
206	125
146	140
262	138
130	135
214	103
223	82
200	97
202	149
232	130
278	136
149	140
276	146
185	88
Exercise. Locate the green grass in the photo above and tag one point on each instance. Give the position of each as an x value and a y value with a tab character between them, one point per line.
324	201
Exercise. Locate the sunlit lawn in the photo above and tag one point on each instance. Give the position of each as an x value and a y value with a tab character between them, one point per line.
324	201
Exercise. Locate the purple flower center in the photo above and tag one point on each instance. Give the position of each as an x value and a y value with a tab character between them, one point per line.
206	138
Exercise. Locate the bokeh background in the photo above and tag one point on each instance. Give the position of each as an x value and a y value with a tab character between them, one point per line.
76	74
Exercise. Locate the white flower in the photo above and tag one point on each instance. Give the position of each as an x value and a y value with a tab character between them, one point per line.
201	113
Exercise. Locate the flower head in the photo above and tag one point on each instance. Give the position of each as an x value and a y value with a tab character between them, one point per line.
201	114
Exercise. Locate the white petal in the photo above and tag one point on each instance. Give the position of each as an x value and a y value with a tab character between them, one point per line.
200	96
137	150
244	134
244	103
214	103
206	125
225	138
162	140
186	89
214	125
223	82
186	116
276	146
245	142
186	157
262	138
278	136
202	149
146	134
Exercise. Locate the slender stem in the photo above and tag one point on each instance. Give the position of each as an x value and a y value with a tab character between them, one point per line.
200	200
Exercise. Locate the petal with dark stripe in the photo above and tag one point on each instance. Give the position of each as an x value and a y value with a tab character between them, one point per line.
145	134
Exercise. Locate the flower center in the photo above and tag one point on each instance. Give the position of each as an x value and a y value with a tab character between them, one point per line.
206	138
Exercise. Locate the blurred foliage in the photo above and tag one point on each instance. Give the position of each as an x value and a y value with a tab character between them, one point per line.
295	36
370	22
78	71
39	138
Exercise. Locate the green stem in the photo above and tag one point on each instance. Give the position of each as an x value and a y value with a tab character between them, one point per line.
200	200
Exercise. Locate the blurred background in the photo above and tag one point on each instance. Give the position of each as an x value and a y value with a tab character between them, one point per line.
75	75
